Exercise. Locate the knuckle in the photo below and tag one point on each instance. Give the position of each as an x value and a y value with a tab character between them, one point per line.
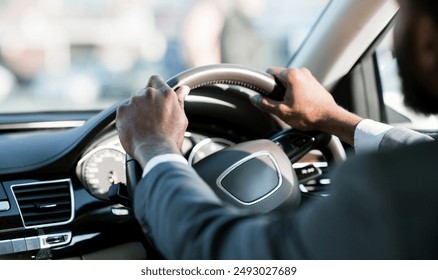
167	92
278	111
305	71
297	74
293	73
154	77
149	90
120	110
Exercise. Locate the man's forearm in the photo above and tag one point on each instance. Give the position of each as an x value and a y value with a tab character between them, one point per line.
341	124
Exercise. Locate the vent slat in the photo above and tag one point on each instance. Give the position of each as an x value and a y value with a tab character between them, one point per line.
40	222
27	189
26	206
31	197
44	203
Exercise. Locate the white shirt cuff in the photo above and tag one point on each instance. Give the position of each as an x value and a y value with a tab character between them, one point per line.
368	135
162	159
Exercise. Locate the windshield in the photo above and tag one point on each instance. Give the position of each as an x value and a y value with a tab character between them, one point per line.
88	54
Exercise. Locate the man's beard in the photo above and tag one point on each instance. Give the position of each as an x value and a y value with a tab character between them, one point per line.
416	95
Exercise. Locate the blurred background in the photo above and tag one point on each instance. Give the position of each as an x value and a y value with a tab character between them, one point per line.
88	54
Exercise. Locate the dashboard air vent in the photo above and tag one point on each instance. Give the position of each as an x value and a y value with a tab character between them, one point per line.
44	204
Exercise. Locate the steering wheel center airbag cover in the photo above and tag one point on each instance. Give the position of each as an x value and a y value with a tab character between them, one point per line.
262	172
255	175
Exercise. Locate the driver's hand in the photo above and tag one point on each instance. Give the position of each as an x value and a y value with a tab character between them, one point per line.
307	105
153	122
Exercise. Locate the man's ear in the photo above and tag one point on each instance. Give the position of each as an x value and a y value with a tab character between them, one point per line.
426	46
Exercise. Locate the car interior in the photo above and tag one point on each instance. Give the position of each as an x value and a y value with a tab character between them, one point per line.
57	166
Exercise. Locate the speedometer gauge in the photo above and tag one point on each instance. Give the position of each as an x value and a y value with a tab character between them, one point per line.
101	168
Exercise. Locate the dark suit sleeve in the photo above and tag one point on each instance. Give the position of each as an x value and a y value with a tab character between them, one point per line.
371	215
399	136
187	221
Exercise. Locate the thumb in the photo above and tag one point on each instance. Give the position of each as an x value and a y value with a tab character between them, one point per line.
181	94
265	104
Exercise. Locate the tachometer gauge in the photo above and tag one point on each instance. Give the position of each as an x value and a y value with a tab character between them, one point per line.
102	167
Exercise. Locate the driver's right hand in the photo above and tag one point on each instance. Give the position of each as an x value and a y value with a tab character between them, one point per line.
307	105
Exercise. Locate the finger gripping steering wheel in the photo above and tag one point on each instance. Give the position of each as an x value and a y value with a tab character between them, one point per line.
255	175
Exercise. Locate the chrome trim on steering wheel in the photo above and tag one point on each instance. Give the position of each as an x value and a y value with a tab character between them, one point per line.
240	163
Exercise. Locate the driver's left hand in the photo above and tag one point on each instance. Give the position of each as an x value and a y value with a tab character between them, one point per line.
153	122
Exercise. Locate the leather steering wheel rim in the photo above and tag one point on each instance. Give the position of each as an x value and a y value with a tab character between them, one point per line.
227	74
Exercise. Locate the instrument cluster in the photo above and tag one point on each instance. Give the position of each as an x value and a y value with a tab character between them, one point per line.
104	162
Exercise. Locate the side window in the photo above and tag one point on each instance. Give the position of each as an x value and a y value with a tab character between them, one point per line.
396	111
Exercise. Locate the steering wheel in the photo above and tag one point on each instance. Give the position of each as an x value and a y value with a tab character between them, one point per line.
255	175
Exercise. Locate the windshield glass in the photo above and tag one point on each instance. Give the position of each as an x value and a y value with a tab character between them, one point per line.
87	54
